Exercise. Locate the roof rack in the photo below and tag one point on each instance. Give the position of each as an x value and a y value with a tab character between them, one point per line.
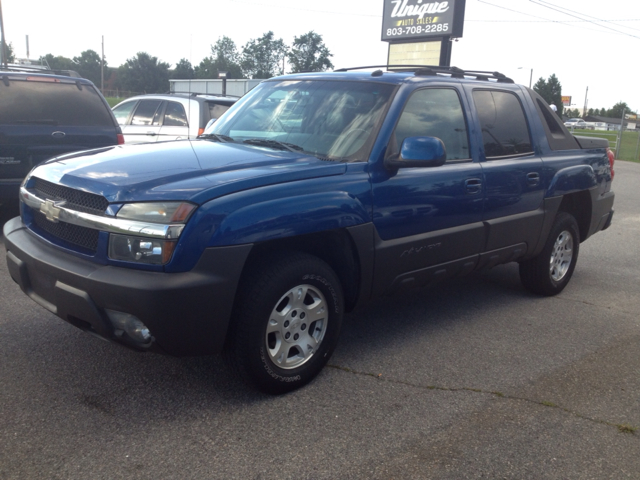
20	68
425	70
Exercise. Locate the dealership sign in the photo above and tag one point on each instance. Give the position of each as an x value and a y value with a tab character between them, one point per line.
421	19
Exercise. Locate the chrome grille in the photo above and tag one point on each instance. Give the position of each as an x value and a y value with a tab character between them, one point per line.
76	199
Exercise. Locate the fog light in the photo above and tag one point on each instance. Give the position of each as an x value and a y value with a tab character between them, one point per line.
132	326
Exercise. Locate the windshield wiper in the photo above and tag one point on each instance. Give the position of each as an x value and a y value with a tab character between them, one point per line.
216	136
265	142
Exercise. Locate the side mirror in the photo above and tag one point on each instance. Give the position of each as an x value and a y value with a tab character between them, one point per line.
419	152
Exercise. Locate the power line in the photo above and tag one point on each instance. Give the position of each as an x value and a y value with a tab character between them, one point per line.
547	19
552	21
589	16
589	21
248	2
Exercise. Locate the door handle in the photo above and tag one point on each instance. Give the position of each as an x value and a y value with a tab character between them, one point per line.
58	134
533	179
151	134
473	186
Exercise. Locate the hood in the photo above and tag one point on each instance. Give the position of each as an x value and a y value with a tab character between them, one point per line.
195	171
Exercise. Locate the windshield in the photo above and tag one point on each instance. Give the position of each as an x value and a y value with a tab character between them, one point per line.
329	119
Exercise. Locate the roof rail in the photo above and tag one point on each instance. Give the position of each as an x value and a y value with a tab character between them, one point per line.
425	70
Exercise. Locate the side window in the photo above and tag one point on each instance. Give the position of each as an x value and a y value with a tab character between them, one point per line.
504	126
123	111
435	112
145	112
557	134
216	110
175	116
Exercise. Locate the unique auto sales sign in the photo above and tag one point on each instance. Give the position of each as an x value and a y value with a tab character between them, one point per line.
420	19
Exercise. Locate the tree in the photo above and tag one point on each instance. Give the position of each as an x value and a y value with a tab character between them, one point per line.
551	91
88	66
9	53
261	57
183	70
59	62
206	69
616	110
144	74
224	58
309	54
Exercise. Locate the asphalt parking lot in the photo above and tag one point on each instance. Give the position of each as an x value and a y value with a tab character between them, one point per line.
475	378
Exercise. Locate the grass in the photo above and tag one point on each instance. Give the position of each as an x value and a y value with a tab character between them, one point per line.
113	101
628	147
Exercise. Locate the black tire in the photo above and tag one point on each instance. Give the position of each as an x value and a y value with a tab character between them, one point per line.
278	321
550	271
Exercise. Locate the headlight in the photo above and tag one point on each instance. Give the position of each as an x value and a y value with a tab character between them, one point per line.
156	248
164	212
141	250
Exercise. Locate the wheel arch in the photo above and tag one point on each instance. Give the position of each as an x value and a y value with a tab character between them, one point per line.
578	205
335	247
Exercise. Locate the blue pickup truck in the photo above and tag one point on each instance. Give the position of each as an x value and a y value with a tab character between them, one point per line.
314	193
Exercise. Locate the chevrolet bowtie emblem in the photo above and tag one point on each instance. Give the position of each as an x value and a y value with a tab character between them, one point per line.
51	209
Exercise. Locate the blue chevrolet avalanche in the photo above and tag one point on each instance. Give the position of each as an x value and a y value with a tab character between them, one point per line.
314	193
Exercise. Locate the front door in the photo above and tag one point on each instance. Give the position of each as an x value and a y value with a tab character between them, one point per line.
428	220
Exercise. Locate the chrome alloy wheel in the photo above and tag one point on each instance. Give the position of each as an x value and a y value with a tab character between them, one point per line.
296	326
561	256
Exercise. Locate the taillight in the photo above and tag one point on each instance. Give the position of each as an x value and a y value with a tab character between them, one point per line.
200	131
120	139
612	159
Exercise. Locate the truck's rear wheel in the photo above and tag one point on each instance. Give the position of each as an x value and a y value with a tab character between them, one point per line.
287	322
550	271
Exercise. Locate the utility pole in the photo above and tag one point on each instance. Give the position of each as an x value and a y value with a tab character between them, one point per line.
619	145
530	78
3	43
584	111
27	47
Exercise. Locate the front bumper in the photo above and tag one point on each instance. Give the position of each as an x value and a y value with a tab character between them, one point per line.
187	313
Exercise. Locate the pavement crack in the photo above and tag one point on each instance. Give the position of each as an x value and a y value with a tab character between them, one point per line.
622	427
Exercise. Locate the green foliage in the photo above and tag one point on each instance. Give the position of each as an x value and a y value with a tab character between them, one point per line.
144	74
262	57
9	53
183	70
59	62
617	109
551	91
224	58
88	66
309	54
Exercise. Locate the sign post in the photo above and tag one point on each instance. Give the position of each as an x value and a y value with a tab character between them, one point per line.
420	32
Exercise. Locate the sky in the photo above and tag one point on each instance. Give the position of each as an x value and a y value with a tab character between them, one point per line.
592	46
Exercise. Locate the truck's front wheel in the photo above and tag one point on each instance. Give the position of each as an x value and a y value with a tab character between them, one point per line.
551	270
287	322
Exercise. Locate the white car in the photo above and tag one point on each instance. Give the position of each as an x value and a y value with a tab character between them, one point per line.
576	123
162	117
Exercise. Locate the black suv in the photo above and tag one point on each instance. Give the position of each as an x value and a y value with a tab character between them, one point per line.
43	116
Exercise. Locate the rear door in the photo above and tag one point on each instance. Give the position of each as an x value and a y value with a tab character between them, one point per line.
43	117
144	125
175	125
513	173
